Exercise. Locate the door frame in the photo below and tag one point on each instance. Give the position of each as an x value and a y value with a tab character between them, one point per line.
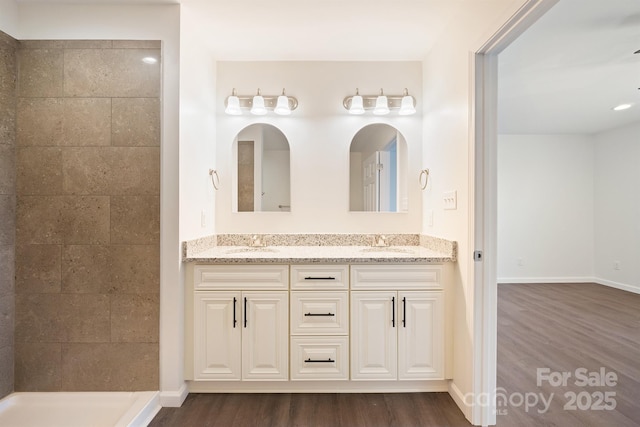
483	198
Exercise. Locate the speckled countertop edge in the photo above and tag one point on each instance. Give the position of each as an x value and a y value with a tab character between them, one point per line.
319	248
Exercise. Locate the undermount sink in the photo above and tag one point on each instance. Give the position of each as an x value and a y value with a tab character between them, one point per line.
388	249
249	249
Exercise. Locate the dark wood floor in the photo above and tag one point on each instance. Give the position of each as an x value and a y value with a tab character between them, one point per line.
562	327
565	327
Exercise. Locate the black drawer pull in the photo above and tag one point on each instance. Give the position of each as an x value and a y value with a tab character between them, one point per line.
320	278
319	314
329	360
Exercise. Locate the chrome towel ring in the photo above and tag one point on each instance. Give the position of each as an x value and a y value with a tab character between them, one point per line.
215	179
424	178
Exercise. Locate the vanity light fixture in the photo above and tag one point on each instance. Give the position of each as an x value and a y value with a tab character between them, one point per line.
380	104
260	104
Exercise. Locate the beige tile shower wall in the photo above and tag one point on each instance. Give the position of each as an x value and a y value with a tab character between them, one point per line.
8	73
87	216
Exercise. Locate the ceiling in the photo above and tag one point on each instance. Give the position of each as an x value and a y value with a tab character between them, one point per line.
567	72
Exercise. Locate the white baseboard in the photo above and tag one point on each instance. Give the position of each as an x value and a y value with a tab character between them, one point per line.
521	280
458	397
623	286
174	399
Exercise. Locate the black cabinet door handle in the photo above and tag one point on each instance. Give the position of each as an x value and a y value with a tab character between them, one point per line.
393	312
329	360
320	278
245	312
319	314
234	311
404	312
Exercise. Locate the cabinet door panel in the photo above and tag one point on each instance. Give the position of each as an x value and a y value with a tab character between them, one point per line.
217	341
373	336
420	339
265	336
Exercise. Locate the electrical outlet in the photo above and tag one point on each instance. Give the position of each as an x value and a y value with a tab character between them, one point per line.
203	218
430	217
616	265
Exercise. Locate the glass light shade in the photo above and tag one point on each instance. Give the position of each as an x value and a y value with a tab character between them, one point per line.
357	106
406	106
282	107
233	106
258	107
382	106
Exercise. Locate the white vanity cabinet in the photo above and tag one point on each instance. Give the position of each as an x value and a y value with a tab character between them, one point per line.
398	333
319	322
240	334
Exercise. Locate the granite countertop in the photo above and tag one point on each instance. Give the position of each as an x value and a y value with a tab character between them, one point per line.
346	250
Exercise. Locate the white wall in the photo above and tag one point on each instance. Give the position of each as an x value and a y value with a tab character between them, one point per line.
545	208
9	17
141	22
319	131
448	139
617	207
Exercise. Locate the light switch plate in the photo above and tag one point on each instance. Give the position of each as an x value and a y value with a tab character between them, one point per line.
450	199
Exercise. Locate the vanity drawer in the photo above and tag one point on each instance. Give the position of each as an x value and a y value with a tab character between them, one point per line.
319	358
389	277
244	277
319	277
319	313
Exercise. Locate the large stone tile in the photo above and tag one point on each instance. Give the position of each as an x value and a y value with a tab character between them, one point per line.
7	120
7	269
40	318
136	122
111	73
40	219
135	220
39	121
86	220
87	122
7	319
38	366
8	71
41	44
135	318
85	268
6	371
111	170
7	169
7	219
62	318
87	317
39	171
87	44
40	72
134	269
63	122
38	268
110	367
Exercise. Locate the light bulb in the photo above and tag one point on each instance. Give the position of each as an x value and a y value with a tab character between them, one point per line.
357	107
406	106
382	106
257	106
282	107
233	105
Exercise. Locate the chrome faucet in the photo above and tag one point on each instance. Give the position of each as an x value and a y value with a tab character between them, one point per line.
257	241
380	240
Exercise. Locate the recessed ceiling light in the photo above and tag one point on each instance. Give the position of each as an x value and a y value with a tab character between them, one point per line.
622	107
149	60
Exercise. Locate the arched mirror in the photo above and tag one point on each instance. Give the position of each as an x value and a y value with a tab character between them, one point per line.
261	157
378	170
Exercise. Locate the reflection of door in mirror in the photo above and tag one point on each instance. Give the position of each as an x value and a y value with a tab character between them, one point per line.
377	169
263	169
